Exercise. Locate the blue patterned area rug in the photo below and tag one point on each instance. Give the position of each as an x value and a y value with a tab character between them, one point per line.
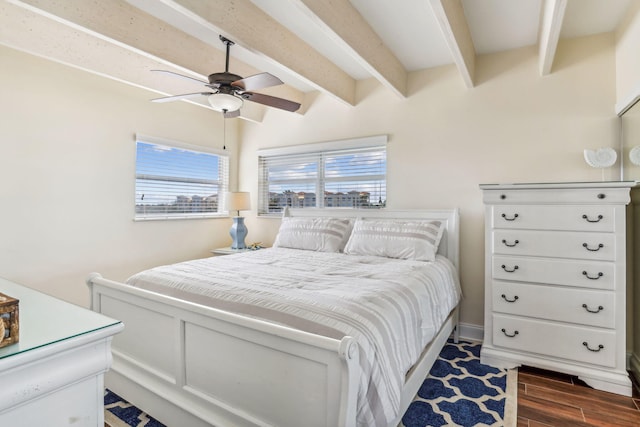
120	413
459	391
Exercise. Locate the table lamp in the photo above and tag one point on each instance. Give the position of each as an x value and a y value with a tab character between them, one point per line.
238	201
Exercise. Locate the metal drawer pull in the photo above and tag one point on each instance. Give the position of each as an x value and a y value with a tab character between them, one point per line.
600	308
510	336
586	246
600	274
515	298
510	219
511	245
600	347
504	267
592	220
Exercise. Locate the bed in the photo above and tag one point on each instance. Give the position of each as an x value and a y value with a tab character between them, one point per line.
196	355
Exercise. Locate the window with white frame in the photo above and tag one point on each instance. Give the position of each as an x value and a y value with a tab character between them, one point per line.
337	174
176	180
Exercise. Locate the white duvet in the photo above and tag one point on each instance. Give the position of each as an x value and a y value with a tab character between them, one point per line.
392	307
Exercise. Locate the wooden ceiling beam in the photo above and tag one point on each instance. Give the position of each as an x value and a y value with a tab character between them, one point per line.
118	22
454	26
339	21
550	27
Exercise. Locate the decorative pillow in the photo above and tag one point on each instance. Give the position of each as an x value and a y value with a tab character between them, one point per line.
392	238
314	234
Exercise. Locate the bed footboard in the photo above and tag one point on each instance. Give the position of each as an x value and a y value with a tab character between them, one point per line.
188	364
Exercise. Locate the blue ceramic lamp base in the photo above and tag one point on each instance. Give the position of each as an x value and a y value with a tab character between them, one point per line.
238	233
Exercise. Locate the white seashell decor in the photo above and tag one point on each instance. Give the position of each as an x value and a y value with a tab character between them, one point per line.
601	158
634	155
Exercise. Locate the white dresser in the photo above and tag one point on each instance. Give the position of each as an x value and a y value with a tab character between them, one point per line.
556	279
54	375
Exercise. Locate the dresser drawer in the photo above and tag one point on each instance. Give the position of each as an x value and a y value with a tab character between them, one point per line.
543	217
592	308
584	274
558	196
561	244
576	343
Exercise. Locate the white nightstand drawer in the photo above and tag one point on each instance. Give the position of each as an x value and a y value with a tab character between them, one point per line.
593	308
567	218
576	343
561	244
564	272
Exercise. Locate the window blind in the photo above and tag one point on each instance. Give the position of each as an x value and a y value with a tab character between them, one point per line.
332	178
178	181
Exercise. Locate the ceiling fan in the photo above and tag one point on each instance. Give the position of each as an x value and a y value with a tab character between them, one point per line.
228	91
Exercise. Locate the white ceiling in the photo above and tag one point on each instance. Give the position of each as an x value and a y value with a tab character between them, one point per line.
311	45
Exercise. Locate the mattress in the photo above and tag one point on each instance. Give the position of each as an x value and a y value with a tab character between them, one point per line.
393	308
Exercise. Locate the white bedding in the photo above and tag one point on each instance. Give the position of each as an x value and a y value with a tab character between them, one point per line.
392	307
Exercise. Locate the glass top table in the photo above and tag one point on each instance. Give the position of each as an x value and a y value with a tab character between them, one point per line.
45	320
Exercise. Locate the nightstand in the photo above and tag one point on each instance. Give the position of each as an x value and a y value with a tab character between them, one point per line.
228	251
54	375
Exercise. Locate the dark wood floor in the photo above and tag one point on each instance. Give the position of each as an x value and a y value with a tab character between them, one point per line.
551	399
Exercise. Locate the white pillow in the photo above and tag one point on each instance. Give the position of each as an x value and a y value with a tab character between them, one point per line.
392	238
314	234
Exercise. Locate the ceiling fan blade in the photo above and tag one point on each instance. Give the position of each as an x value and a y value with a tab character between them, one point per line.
271	101
183	96
257	81
181	76
231	114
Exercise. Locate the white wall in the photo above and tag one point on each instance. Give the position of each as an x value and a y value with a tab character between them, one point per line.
67	156
627	58
444	139
67	167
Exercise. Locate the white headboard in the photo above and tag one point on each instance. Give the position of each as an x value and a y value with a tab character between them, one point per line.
449	245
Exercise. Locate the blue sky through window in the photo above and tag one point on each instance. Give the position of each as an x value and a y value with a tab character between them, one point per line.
154	159
169	175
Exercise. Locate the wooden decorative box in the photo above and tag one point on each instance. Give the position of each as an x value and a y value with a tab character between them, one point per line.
9	324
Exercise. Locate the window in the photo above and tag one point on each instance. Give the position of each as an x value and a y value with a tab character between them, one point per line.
174	180
339	174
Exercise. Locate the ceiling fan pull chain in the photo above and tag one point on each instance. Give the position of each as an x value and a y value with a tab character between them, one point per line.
224	128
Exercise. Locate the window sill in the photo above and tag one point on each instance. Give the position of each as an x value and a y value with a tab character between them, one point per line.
178	217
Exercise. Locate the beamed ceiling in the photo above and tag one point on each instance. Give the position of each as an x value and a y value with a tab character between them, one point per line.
312	45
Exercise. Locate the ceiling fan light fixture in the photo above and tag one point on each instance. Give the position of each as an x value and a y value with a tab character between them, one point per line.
226	92
225	102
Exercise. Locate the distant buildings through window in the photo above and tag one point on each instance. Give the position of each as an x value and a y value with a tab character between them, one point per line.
348	174
351	199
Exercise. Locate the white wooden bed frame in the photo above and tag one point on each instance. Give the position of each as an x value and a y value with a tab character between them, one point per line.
190	365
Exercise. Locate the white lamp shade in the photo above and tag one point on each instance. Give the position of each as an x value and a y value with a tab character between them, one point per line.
225	102
238	201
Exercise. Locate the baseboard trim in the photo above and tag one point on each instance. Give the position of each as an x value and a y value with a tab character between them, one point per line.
471	332
634	366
